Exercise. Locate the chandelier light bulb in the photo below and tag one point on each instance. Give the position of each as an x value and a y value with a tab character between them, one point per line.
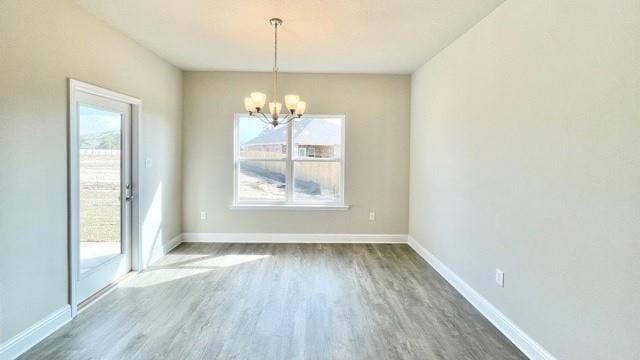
274	109
248	105
259	99
291	101
301	107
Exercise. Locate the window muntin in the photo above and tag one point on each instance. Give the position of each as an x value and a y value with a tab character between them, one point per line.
266	172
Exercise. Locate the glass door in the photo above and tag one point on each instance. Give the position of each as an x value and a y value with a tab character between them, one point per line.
104	192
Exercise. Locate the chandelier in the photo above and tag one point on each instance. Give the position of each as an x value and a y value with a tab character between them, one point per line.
255	102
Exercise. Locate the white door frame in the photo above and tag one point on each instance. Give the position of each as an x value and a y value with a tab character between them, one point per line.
136	179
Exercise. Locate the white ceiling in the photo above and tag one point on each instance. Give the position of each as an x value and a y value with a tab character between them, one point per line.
337	36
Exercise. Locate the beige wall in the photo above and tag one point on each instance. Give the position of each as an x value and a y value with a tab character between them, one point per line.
525	156
42	43
377	168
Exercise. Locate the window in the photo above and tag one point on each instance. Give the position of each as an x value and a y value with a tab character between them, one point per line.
300	163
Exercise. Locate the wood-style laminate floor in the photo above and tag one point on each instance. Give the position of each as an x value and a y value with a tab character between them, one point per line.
281	301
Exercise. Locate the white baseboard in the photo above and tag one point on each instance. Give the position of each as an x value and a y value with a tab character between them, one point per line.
295	238
517	336
22	342
164	249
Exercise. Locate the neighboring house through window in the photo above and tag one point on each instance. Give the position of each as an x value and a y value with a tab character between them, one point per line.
300	163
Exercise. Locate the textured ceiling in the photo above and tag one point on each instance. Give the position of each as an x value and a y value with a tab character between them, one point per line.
339	36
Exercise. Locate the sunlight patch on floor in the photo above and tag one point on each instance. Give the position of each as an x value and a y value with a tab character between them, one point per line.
160	276
185	266
231	260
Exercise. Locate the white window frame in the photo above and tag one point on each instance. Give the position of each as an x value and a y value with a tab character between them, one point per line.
290	158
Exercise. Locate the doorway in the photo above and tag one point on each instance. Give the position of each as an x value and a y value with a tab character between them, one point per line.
103	180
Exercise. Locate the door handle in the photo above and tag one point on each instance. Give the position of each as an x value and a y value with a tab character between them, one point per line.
129	193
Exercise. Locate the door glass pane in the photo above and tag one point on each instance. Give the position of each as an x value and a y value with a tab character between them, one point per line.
100	134
262	180
317	138
261	141
317	181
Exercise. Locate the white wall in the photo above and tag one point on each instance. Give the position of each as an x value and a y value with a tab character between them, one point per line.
377	159
525	156
42	43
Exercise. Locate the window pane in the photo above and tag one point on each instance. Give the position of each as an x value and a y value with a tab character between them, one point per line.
100	186
317	181
260	140
317	138
262	180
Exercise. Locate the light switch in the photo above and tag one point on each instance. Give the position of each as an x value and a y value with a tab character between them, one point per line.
500	277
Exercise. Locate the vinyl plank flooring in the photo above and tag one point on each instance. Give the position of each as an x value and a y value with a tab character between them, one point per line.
281	301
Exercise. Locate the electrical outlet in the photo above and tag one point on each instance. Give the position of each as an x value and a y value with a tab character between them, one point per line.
203	215
500	277
372	216
148	163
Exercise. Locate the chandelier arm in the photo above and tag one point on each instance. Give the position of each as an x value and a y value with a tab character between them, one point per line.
262	118
266	118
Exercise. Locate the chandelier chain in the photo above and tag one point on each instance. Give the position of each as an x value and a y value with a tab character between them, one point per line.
275	62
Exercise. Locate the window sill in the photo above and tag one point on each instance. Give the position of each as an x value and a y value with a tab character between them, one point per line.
289	207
